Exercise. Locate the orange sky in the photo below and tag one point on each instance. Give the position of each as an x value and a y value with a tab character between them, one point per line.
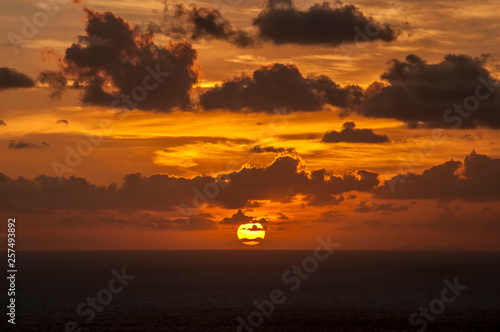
187	142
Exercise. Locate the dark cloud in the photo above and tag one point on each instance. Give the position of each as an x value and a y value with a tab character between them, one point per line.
56	81
282	216
352	135
202	221
63	122
281	181
457	92
26	145
2	123
478	180
322	24
384	207
263	149
142	74
279	22
240	218
197	23
328	217
11	78
279	85
237	219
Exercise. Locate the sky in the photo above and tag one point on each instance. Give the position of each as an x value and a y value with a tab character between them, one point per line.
135	125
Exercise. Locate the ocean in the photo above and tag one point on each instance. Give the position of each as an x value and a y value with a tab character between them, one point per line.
223	290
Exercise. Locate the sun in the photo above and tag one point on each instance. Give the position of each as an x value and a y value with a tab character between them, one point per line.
251	234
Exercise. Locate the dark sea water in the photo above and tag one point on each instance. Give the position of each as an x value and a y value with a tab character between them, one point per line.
209	290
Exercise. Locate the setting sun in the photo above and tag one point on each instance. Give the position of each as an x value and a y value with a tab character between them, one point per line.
251	234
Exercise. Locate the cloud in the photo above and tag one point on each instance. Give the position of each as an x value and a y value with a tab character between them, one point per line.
328	217
322	24
13	144
352	135
282	216
240	218
11	78
62	122
457	92
237	219
196	23
2	123
477	180
202	221
279	85
116	65
263	149
281	181
384	207
56	81
279	22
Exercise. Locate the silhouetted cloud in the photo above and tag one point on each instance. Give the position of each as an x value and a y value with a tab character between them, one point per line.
237	219
202	221
62	121
144	75
279	85
13	144
279	22
195	23
478	181
11	78
322	24
352	135
56	81
281	181
457	92
384	207
2	123
263	149
328	217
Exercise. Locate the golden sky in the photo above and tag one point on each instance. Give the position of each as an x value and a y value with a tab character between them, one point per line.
289	129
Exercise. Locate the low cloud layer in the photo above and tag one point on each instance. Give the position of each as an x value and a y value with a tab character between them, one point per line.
352	135
18	145
281	181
